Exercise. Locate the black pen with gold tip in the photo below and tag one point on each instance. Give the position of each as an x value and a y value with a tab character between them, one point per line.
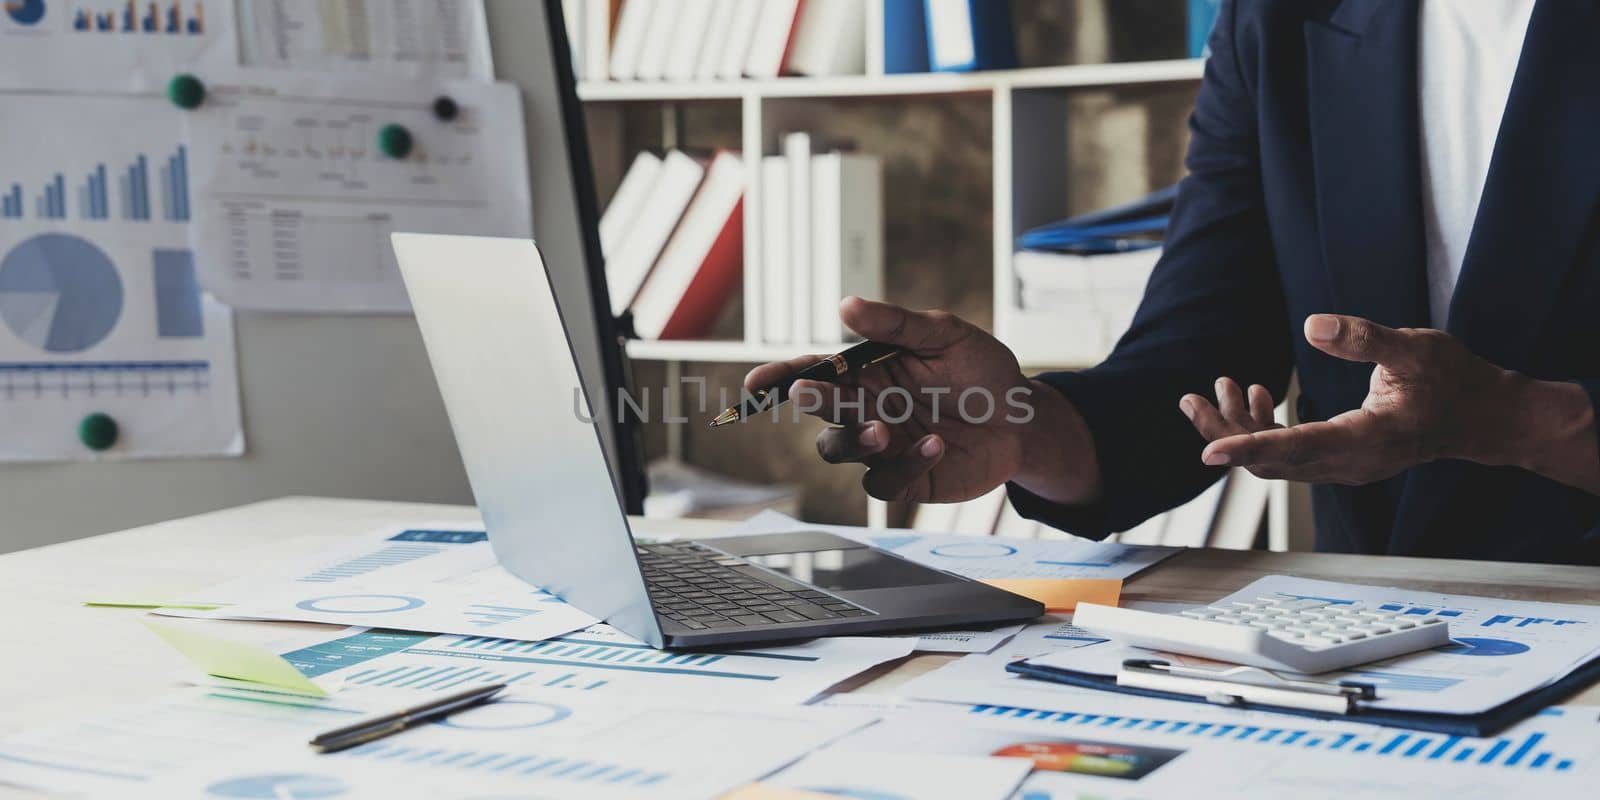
828	369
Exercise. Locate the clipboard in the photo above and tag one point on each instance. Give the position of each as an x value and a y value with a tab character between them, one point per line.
1222	688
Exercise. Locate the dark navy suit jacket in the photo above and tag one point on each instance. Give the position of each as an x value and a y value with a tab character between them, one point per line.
1304	196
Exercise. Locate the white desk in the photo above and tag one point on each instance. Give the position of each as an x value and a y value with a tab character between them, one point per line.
74	660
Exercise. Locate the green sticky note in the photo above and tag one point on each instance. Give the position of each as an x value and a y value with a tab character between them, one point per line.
238	661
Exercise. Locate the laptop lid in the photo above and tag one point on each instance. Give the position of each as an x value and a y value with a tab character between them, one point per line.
520	412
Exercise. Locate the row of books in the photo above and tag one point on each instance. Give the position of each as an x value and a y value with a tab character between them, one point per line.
673	240
708	40
821	240
1230	514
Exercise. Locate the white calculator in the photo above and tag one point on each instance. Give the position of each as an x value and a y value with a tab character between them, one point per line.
1283	633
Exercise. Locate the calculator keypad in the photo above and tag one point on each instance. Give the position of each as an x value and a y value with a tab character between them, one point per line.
1310	623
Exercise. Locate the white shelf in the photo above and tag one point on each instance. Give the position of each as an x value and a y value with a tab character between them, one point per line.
1065	77
723	351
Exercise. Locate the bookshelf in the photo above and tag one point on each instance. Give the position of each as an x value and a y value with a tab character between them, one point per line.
1026	108
1035	166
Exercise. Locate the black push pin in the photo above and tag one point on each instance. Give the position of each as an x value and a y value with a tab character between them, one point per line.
445	109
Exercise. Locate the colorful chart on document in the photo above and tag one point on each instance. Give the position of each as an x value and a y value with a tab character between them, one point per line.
101	310
112	45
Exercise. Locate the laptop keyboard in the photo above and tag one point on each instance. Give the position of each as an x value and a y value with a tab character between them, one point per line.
701	588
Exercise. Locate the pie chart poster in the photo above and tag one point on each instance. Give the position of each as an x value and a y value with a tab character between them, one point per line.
100	311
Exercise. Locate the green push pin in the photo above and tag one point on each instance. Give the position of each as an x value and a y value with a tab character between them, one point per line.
98	431
186	91
394	140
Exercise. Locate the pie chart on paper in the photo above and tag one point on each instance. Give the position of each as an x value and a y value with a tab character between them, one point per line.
59	293
25	12
281	786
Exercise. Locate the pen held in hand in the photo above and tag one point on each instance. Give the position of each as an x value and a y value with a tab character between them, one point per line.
828	369
374	728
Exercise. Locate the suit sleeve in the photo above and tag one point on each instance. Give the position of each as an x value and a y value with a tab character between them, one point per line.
1214	307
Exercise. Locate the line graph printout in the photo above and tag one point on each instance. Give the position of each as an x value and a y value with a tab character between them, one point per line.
299	181
100	306
601	660
1501	649
101	45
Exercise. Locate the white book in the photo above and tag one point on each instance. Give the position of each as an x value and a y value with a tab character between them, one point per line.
797	151
935	517
829	39
716	41
651	227
846	238
660	33
771	38
680	261
596	39
1239	515
573	18
1189	525
633	24
776	327
950	42
741	32
980	514
688	40
1013	525
627	201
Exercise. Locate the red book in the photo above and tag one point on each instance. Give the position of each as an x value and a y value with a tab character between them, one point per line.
703	264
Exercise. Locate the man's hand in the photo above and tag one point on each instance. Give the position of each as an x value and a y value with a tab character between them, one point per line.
1429	398
948	420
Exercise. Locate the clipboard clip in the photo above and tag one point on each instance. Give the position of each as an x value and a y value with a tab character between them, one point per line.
1237	686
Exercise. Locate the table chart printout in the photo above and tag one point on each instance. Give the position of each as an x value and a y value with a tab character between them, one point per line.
300	180
100	309
439	38
111	45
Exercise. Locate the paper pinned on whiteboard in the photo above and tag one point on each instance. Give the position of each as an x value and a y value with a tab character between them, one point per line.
100	309
419	38
299	180
109	46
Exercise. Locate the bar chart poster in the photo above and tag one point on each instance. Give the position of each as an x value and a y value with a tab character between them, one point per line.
295	197
112	45
101	312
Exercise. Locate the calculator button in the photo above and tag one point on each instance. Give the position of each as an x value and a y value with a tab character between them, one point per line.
1430	621
1200	613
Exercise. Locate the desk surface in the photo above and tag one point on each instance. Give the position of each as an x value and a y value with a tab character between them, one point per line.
72	660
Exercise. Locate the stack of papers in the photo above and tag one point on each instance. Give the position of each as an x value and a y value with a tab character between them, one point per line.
593	713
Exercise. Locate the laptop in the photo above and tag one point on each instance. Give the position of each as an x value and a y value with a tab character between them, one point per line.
521	415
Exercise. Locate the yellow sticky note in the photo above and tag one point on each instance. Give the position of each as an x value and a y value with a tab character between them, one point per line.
1063	594
238	661
762	791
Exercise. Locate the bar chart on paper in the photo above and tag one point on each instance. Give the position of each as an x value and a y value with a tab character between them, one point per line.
1527	748
101	308
597	659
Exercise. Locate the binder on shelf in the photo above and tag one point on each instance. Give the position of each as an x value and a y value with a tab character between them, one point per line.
970	35
846	238
633	25
797	152
599	19
829	39
773	36
628	201
776	327
689	39
1202	18
905	36
1131	226
741	34
716	41
652	226
700	268
660	32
